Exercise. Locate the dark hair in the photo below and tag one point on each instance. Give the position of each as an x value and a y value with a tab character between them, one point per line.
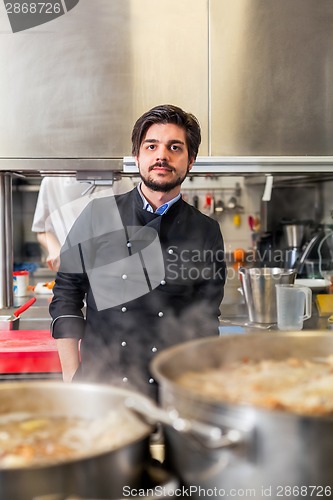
167	113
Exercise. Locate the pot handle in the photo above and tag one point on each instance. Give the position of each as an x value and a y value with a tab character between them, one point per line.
208	435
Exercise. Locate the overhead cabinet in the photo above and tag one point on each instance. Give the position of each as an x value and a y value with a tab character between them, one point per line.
271	77
258	74
73	87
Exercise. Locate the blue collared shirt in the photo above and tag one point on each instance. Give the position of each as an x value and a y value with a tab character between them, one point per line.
160	210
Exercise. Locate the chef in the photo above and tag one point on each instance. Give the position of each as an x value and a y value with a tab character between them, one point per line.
149	266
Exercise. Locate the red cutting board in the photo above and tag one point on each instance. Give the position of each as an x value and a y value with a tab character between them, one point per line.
28	351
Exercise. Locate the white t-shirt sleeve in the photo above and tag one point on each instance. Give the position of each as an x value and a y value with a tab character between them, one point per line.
42	210
60	202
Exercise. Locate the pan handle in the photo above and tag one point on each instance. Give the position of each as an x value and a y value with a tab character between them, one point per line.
24	307
209	436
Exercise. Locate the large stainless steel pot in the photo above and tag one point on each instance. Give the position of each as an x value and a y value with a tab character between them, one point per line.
258	286
98	475
274	452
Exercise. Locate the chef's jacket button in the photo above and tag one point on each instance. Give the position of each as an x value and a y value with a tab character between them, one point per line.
160	314
124	276
123	309
129	244
125	379
124	344
151	380
154	349
170	251
163	282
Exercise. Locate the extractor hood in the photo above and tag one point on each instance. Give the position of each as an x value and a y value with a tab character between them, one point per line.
258	74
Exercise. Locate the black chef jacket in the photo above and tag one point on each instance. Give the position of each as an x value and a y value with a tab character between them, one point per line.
149	281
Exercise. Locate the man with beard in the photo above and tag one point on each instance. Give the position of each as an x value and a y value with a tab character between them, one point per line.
150	266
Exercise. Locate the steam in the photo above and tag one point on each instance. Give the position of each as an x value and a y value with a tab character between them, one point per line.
126	363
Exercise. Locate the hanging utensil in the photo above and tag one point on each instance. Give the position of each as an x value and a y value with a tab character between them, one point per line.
195	201
251	222
208	201
219	207
256	224
232	202
237	220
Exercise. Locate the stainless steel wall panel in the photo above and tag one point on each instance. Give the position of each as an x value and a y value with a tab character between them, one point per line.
72	88
272	77
169	47
66	91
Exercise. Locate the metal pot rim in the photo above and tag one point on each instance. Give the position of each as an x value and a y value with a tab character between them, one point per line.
229	408
76	387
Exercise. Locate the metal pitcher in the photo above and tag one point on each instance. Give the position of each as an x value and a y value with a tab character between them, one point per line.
258	286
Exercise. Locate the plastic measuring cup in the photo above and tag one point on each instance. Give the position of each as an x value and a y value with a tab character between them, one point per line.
294	305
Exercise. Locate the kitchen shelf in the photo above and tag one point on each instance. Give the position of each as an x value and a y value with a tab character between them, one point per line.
252	165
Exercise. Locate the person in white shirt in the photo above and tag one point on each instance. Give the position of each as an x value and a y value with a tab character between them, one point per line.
60	201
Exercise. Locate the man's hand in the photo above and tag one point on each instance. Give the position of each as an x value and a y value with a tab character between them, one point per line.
53	262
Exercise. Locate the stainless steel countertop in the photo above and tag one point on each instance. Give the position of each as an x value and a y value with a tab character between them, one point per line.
234	312
233	308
